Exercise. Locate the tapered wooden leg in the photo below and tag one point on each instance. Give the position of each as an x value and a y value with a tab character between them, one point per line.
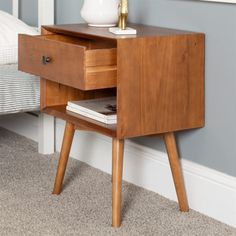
117	169
64	155
112	164
170	143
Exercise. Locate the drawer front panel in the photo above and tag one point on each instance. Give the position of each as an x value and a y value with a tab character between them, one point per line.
71	62
53	60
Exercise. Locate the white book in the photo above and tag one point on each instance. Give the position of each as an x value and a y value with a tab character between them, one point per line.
107	121
101	109
105	108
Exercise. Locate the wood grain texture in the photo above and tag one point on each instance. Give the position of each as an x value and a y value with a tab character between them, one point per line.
143	31
160	85
117	169
159	75
54	94
97	77
173	156
100	57
45	32
81	122
64	155
68	57
66	65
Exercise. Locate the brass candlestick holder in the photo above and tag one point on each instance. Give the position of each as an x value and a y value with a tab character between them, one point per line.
123	14
122	28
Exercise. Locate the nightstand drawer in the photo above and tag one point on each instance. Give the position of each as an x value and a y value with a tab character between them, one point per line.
80	63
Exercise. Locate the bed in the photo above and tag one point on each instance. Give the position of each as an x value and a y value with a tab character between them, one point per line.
20	92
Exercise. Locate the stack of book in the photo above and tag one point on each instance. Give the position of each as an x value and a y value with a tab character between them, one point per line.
101	109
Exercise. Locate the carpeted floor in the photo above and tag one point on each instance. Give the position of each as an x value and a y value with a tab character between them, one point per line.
84	207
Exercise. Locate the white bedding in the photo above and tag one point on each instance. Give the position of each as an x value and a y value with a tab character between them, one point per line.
10	27
19	92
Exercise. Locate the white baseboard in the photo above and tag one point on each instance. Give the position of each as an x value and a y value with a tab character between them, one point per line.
40	129
22	123
46	134
209	192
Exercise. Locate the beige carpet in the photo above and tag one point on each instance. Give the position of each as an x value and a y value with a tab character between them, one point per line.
84	207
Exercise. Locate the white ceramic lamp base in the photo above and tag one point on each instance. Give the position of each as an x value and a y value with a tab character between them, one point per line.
102	25
118	31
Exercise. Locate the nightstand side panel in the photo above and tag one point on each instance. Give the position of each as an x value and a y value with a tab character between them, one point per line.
160	85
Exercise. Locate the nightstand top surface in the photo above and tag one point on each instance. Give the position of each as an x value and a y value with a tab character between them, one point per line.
83	30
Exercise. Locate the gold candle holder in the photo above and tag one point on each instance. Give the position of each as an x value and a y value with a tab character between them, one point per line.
122	28
123	14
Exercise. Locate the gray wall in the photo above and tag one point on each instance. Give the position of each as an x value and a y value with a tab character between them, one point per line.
6	5
215	145
28	10
67	11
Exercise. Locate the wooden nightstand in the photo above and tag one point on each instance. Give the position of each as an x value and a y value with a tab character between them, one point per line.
157	76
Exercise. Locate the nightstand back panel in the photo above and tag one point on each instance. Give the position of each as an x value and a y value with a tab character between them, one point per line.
55	94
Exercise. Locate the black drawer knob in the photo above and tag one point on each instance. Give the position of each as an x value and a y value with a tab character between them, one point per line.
45	60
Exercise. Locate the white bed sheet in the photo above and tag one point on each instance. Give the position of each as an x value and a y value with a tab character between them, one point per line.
10	27
19	92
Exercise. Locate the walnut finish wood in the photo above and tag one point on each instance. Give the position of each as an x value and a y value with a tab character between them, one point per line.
81	122
143	31
171	148
67	60
64	155
72	61
159	80
96	77
45	32
96	57
117	169
54	94
160	85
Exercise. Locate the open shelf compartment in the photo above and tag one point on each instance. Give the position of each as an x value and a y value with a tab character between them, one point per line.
81	122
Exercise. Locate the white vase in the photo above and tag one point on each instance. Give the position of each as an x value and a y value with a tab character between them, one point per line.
100	13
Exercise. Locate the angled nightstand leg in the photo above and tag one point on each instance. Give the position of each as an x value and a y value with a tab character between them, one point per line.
171	148
117	169
64	155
